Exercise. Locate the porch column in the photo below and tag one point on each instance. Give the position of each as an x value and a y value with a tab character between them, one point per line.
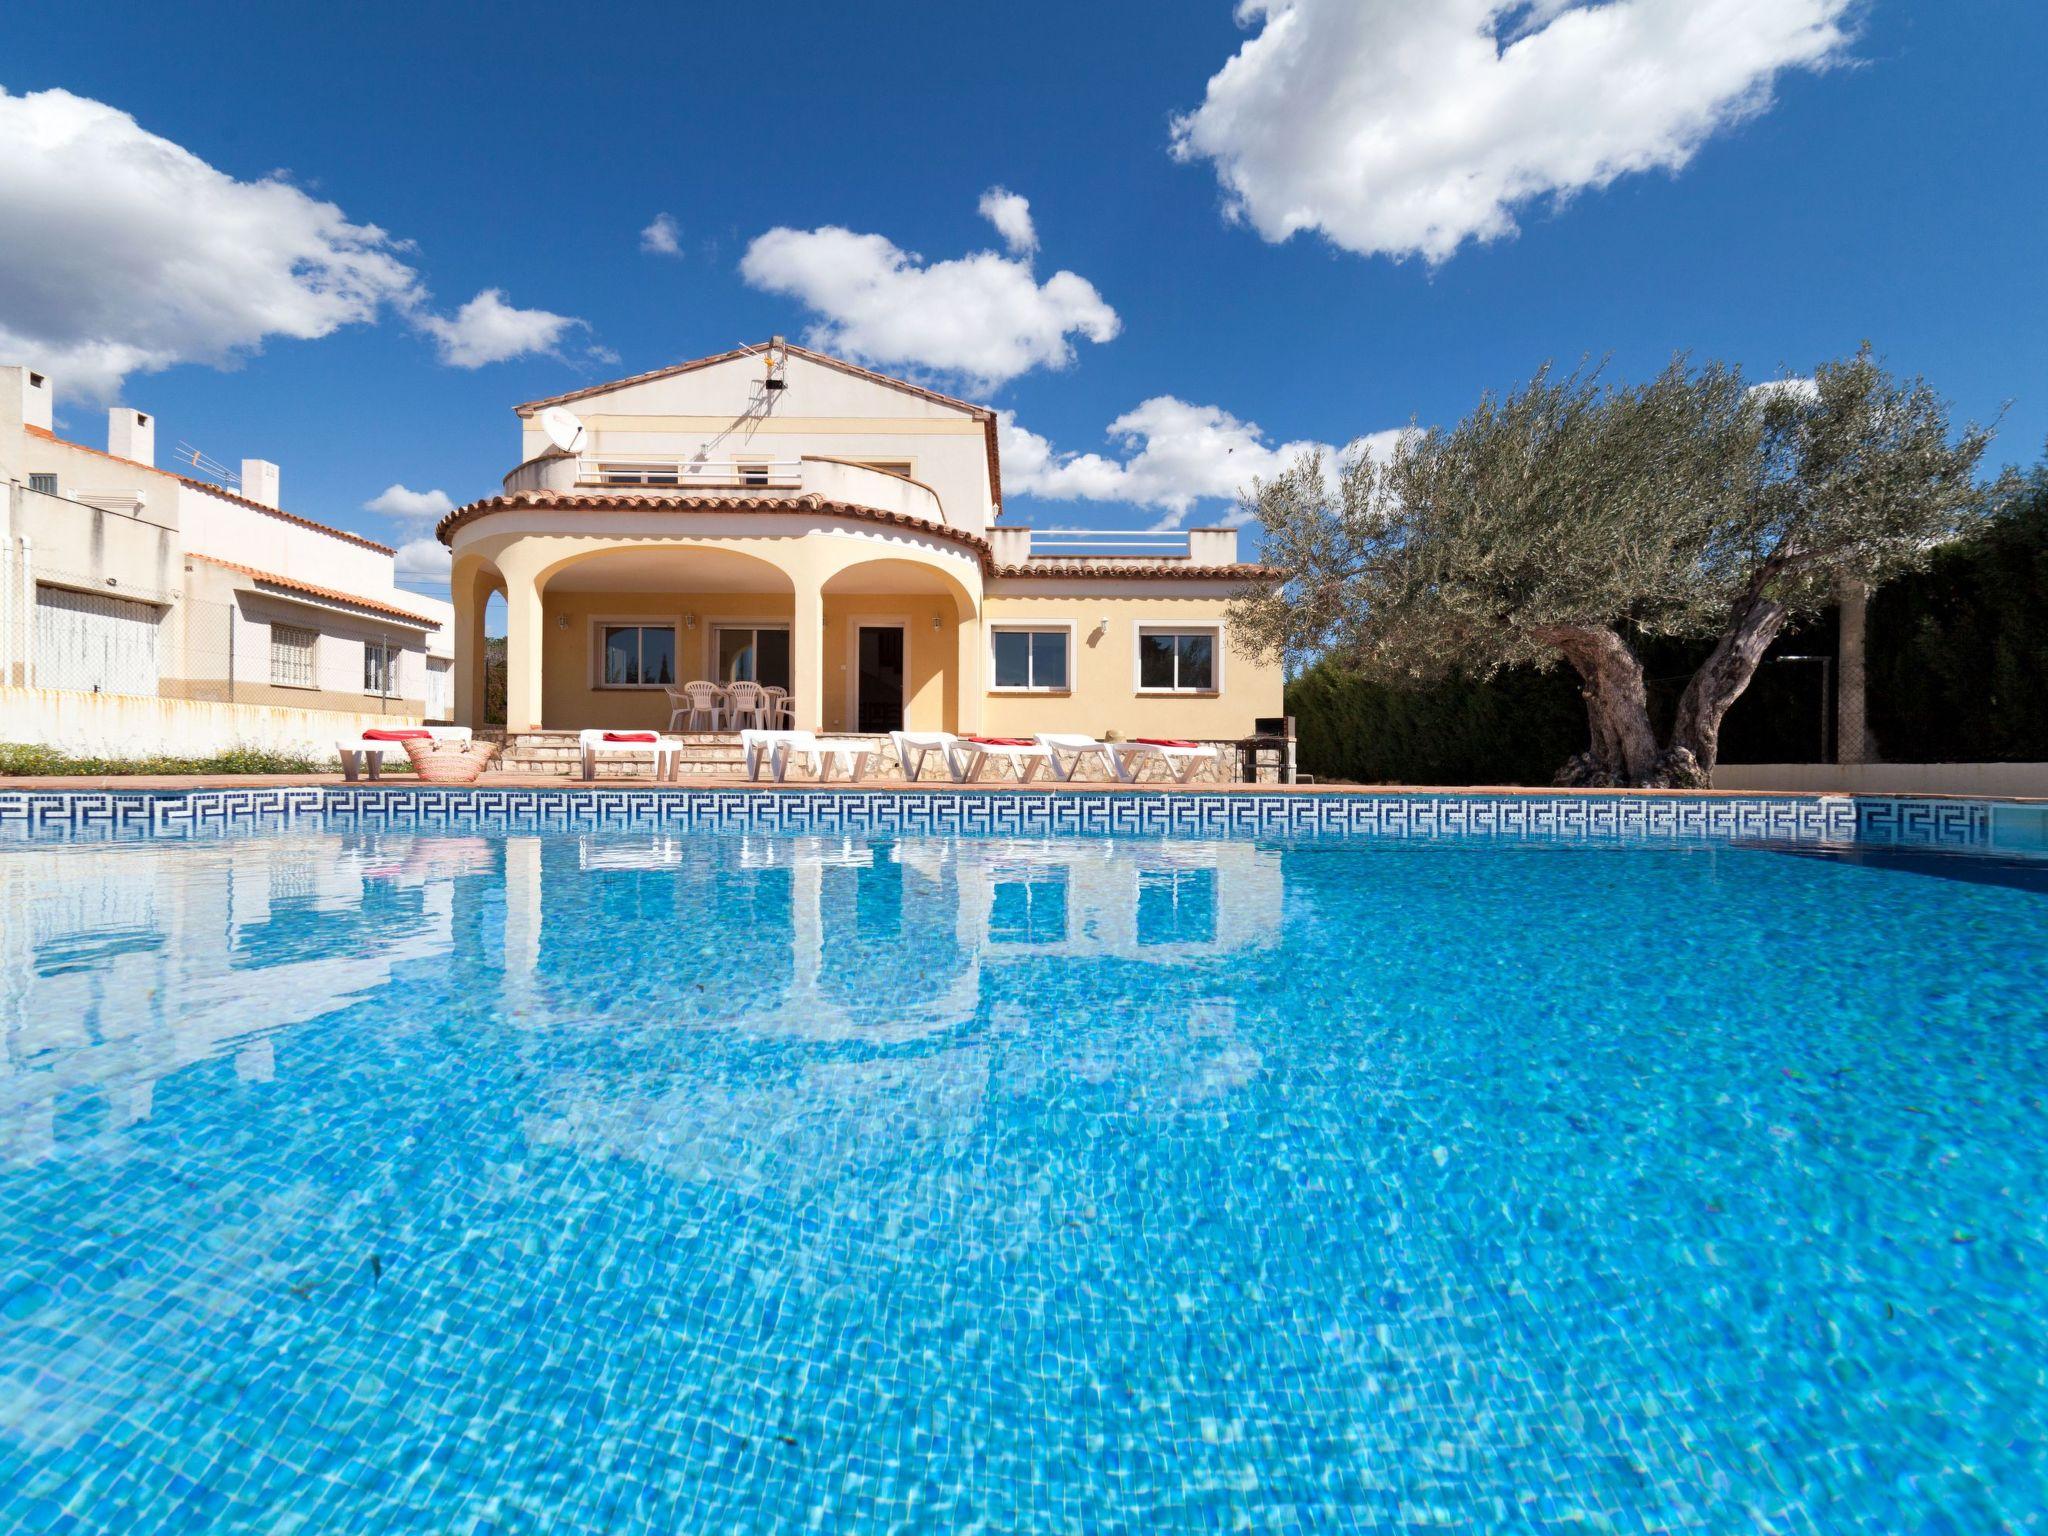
807	654
471	596
523	619
967	689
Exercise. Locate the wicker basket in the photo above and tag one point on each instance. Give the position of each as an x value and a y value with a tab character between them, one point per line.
450	762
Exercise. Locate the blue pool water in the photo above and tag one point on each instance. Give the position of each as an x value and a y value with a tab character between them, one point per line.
686	1181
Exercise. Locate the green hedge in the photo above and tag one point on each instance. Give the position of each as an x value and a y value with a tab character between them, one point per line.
1516	729
1957	654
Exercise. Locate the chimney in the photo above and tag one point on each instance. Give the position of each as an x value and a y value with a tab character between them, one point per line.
131	434
259	481
1212	546
30	392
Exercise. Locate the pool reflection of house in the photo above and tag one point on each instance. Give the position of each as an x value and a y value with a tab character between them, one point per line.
857	998
118	967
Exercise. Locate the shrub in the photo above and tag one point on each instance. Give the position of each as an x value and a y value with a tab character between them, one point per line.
20	760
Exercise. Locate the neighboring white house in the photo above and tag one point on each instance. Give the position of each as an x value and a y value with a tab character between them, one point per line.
143	611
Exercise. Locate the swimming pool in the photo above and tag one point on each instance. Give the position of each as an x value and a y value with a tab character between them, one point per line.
570	1165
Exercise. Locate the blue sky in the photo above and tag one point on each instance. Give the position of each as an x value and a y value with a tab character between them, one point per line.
1847	171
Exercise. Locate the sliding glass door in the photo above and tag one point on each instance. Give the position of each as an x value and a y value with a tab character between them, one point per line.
754	654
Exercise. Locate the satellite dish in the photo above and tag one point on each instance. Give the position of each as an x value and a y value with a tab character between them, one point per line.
564	428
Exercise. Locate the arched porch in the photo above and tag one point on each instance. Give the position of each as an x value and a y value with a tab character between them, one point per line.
598	629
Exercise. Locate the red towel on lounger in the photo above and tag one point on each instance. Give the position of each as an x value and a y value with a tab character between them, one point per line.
1165	741
1002	741
398	735
630	736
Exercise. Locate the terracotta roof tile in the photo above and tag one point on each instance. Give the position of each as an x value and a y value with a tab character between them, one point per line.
272	579
1118	570
770	502
627	501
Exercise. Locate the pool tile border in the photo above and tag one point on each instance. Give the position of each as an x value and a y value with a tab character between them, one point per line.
1834	818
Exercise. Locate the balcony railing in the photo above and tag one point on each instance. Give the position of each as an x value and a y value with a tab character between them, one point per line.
810	474
1018	546
659	469
1086	543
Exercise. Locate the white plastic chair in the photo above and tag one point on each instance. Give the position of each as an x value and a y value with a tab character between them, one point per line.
781	710
1180	760
357	754
971	754
747	706
913	747
666	752
1069	752
702	707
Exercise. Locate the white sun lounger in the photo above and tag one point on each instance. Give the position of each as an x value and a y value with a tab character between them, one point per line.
1068	753
1180	763
357	754
968	757
913	747
776	748
666	751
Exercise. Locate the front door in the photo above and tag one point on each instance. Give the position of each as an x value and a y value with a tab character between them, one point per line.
878	699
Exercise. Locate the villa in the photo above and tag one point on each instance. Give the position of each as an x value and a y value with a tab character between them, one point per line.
777	516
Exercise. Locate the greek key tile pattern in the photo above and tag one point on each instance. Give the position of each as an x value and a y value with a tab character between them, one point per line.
1924	823
163	813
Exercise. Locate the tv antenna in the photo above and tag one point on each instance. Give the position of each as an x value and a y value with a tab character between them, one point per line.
187	454
564	429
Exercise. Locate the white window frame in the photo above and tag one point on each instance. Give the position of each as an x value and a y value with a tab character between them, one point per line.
600	623
373	648
1028	626
885	466
1143	627
312	680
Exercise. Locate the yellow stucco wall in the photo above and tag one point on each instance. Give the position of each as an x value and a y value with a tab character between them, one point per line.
1104	695
572	700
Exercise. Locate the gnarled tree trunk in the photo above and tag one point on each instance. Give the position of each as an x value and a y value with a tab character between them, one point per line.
1624	747
1721	679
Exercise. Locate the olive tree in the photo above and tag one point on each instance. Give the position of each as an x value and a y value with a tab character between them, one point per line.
1568	520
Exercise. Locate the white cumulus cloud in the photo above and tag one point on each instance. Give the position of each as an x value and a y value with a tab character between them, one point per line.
1173	455
662	237
488	330
1407	127
121	252
1011	215
1805	391
402	501
983	317
421	560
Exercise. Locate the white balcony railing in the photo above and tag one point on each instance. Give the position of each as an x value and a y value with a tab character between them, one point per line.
784	474
810	474
1197	546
